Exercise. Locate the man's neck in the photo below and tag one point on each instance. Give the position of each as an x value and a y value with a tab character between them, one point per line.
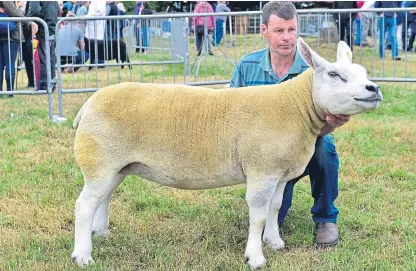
281	65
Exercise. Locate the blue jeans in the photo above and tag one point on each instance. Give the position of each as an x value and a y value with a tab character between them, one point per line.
388	24
8	56
145	37
357	40
218	32
323	173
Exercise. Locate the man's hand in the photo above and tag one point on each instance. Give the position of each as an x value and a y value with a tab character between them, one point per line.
336	120
332	122
34	28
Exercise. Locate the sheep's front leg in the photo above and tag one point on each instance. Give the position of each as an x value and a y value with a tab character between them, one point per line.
271	232
259	195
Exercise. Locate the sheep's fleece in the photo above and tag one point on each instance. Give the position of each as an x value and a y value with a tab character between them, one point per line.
196	138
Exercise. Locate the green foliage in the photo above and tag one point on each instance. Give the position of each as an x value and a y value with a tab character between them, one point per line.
129	6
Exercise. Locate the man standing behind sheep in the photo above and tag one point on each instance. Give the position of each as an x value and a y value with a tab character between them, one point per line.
278	63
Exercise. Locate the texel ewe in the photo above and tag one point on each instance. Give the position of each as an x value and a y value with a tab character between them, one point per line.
197	138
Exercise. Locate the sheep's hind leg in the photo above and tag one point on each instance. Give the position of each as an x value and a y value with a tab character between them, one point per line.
93	194
259	195
271	232
101	218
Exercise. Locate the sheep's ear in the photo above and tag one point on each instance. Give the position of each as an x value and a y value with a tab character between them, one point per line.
312	59
344	53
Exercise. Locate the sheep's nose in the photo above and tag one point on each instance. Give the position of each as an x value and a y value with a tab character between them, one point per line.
372	88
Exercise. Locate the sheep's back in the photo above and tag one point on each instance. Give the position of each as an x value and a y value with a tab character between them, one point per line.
171	124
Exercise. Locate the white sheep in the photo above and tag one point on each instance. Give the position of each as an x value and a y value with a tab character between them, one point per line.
197	138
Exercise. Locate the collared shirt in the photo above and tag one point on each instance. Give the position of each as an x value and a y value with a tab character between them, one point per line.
255	69
69	35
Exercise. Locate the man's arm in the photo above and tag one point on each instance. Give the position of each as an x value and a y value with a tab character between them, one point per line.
237	80
11	9
81	44
332	122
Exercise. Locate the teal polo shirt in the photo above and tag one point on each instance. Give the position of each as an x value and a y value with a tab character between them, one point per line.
255	69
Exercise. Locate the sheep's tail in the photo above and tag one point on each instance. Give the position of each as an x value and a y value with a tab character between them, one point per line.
78	117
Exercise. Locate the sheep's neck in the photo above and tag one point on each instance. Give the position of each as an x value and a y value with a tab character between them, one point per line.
302	93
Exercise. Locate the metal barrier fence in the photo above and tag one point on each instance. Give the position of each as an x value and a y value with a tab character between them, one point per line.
379	66
162	49
13	79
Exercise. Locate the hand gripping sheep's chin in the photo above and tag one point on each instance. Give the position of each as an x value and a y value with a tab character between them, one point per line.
192	137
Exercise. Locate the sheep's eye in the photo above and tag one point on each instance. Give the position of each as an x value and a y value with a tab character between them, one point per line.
333	74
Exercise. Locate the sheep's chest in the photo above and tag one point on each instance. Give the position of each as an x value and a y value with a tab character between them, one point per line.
289	154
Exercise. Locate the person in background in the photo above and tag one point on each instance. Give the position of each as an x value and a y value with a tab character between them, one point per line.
27	47
388	24
9	45
77	5
277	63
111	10
121	8
409	23
63	11
366	18
95	30
412	28
137	10
145	24
358	26
121	11
68	5
72	46
219	23
82	11
344	20
400	27
199	24
49	12
358	29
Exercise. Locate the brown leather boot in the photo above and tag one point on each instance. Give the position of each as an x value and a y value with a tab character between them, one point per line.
326	234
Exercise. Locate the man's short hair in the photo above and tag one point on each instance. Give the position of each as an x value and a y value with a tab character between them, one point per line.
283	9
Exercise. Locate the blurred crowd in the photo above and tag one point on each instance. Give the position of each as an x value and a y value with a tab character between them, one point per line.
397	31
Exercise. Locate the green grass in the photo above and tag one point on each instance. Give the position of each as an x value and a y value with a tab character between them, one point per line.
159	228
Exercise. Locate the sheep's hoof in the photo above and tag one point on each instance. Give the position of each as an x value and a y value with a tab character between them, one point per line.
100	233
256	263
276	244
255	260
82	260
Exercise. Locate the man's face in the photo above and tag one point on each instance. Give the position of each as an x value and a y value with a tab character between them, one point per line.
281	35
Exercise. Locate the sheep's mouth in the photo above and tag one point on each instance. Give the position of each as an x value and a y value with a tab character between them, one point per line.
369	100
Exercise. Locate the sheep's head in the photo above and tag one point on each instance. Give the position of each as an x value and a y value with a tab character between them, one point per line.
341	87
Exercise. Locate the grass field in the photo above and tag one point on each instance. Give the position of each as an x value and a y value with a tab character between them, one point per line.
159	228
